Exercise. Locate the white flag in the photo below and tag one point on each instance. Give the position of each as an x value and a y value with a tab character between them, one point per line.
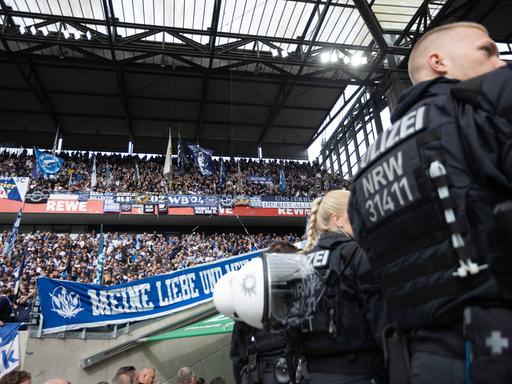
93	173
168	159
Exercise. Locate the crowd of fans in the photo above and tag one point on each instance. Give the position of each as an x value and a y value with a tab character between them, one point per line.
125	375
116	173
128	257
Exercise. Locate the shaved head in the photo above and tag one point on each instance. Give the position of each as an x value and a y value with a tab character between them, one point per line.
457	51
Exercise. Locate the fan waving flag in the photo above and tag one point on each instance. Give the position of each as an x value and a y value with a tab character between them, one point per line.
203	159
11	238
47	164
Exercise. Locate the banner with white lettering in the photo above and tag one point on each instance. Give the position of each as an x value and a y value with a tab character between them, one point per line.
9	347
69	305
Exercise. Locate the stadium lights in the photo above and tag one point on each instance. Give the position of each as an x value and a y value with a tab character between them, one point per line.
260	152
130	147
359	59
274	52
88	35
44	31
325	57
66	34
333	57
284	53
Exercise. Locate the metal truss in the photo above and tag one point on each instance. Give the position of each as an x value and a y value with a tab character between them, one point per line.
365	112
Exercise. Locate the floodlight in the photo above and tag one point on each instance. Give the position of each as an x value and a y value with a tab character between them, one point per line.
333	57
325	57
44	31
364	60
284	53
274	52
66	34
346	59
88	35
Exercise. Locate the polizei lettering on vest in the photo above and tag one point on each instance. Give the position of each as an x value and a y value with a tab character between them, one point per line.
408	125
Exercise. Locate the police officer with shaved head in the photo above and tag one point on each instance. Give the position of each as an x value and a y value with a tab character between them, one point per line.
429	207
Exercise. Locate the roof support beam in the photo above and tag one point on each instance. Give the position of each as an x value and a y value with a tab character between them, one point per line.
372	23
121	84
285	92
207	75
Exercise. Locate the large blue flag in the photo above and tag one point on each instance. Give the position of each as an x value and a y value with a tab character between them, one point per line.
13	234
47	164
9	347
203	159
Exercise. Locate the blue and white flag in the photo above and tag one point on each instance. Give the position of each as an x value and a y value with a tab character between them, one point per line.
14	188
282	180
70	305
13	234
203	159
9	348
222	173
93	173
101	259
47	164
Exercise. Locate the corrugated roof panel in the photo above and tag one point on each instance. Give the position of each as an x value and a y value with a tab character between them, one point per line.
162	109
164	85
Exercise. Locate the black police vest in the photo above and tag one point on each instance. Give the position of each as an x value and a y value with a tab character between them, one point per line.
409	209
338	324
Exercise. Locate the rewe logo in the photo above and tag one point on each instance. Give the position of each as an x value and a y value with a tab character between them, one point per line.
293	211
65	304
66	206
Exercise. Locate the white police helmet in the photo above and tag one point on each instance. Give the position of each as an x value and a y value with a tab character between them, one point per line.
223	295
274	291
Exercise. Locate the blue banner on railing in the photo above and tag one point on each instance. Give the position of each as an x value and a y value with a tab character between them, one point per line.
69	305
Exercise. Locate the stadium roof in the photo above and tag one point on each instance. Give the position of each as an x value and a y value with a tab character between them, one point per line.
231	75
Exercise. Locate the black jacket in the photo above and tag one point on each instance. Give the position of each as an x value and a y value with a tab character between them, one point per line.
360	313
398	214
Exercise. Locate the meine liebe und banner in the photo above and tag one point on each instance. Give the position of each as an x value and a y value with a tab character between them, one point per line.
68	305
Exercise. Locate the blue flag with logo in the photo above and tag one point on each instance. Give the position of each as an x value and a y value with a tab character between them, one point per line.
203	159
9	347
47	164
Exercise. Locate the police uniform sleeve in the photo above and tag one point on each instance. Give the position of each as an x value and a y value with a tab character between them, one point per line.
373	301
